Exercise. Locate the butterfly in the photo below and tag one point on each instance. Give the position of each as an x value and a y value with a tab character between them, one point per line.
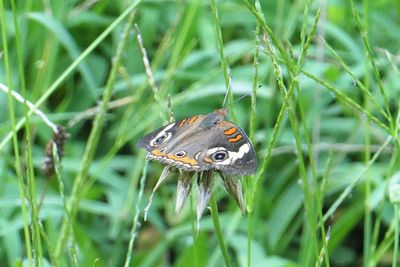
201	143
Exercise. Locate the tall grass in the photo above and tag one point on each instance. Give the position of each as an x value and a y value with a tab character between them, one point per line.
323	115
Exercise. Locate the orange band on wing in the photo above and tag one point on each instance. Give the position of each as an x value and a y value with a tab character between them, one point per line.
235	139
230	131
187	160
182	123
156	152
192	119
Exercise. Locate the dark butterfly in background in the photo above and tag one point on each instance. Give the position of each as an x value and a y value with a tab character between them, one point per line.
56	144
58	140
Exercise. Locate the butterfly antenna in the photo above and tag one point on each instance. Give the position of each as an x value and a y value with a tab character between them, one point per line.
226	96
240	98
228	87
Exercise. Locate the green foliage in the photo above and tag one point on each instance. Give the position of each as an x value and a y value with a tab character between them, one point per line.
322	111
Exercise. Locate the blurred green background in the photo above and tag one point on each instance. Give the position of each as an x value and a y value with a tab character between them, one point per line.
329	152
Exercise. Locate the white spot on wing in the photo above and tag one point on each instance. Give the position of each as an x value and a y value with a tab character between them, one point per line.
162	133
233	156
215	149
242	151
168	127
196	157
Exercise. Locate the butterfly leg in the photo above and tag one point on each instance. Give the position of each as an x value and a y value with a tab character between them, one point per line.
183	189
162	178
205	183
234	188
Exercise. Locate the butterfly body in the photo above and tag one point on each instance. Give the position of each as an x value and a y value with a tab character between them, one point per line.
201	143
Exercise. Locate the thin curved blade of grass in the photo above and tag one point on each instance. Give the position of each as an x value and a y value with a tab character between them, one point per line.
384	246
65	38
30	172
224	62
193	94
355	79
252	118
347	191
53	87
364	37
135	223
307	37
218	230
260	18
94	136
348	100
179	47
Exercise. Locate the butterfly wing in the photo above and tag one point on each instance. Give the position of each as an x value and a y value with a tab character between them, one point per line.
157	137
224	147
169	134
231	151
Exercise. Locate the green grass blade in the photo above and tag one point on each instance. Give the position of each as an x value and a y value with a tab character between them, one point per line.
52	88
93	141
218	230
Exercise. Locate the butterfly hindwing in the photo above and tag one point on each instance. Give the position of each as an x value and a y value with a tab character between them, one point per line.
230	150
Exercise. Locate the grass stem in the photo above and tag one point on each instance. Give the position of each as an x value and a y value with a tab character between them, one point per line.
88	155
218	230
